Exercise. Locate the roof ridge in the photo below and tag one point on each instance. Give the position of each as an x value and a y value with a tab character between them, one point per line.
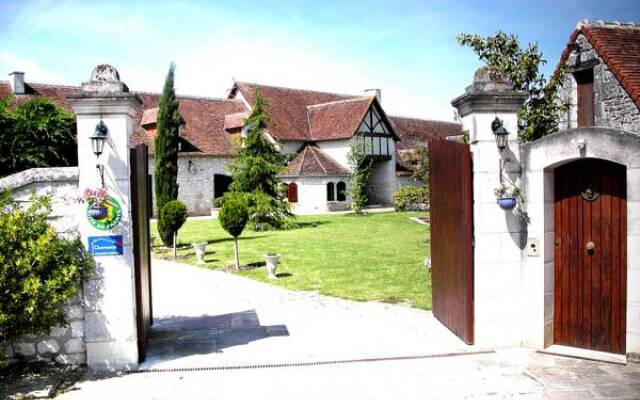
318	159
296	89
600	23
180	96
360	98
189	96
423	119
304	156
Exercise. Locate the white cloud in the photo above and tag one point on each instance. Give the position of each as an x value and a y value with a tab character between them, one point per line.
33	72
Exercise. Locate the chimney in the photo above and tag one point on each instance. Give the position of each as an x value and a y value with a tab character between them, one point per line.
16	79
377	93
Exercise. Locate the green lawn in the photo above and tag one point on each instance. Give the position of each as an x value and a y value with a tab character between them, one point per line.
373	257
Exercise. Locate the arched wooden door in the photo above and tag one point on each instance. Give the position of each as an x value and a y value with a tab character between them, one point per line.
590	255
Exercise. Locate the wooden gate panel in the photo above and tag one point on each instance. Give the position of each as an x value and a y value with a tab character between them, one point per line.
451	189
590	285
140	212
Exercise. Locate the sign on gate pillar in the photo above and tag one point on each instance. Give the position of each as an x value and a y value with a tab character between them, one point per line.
105	116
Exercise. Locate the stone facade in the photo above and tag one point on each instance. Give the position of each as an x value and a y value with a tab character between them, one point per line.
613	107
64	344
195	179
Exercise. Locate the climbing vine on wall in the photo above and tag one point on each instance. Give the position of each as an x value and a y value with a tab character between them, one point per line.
360	167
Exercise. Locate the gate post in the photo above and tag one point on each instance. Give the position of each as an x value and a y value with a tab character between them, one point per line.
109	298
498	234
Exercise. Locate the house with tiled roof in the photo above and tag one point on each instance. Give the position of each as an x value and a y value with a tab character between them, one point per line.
315	128
602	82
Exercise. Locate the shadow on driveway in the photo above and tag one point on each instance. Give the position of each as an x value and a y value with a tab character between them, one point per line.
175	337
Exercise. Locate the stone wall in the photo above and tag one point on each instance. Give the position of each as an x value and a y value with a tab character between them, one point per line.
612	105
195	180
64	344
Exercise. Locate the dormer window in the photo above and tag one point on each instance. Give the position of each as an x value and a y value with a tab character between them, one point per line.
584	82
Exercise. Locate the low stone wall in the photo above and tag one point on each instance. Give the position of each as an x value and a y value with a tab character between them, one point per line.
64	344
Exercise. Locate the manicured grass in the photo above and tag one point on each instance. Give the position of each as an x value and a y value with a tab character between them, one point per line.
372	257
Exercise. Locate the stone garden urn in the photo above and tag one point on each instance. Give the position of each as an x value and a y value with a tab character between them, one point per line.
200	249
272	264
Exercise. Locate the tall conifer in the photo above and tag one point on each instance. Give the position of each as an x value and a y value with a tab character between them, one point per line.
255	172
166	152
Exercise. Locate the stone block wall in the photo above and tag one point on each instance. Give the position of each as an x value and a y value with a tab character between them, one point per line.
64	344
195	180
613	107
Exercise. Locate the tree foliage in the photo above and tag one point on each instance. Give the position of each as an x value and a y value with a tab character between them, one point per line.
166	153
233	217
360	167
502	52
36	134
39	271
255	172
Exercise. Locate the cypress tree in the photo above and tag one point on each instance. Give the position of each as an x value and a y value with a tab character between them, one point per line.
255	172
166	153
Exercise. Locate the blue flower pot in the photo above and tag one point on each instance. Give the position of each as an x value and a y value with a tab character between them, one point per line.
507	203
98	211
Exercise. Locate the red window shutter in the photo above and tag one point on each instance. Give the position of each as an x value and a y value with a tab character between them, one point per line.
292	192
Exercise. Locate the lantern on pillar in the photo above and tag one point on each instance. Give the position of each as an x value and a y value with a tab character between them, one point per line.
500	132
98	140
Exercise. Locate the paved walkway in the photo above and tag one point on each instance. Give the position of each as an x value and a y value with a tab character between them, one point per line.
212	319
209	318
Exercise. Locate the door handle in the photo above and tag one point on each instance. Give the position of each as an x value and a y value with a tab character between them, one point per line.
590	246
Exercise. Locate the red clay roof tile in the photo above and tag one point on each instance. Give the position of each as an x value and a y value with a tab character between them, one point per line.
204	117
313	161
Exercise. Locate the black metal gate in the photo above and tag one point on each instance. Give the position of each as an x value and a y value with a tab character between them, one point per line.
140	213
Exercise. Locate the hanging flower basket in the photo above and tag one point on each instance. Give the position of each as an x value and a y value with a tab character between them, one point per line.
507	196
507	203
98	211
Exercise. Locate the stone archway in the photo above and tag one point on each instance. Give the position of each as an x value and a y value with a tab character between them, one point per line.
540	160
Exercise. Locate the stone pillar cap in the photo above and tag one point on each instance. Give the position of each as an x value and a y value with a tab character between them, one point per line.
490	92
105	79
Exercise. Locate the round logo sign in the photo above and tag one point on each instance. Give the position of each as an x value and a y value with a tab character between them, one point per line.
106	215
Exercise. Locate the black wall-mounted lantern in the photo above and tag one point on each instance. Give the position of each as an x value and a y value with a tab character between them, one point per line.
497	126
98	140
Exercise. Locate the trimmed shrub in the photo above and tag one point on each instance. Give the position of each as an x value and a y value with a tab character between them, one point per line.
233	217
174	214
411	198
234	214
217	202
39	271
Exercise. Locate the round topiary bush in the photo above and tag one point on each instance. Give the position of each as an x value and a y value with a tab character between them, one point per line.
173	215
233	217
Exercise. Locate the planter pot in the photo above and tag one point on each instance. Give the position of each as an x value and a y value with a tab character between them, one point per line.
507	203
200	249
272	264
98	211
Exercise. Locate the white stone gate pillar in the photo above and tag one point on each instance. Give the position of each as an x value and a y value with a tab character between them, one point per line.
109	297
498	234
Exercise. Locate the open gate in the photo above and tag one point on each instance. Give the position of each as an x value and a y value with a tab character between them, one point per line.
451	188
140	212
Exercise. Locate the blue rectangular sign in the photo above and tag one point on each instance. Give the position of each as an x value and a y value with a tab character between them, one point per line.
105	245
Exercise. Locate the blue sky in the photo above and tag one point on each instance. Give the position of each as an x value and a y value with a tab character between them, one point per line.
405	48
